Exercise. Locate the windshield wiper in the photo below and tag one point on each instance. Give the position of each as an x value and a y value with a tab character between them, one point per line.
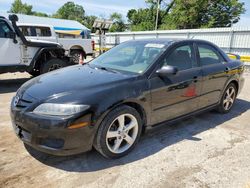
106	69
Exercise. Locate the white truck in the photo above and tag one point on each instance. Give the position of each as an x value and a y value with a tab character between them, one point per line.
74	45
18	54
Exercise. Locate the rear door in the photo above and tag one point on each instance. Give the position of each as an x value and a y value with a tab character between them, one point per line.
178	94
214	70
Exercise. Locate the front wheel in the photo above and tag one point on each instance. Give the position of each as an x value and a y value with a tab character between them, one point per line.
228	99
53	64
119	132
34	72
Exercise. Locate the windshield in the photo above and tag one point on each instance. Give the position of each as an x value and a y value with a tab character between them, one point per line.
131	57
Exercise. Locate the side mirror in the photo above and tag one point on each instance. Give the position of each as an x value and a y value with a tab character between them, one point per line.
167	70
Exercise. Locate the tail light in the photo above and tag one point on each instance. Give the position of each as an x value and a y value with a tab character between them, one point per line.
93	45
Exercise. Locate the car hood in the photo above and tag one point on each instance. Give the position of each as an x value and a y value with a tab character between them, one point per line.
74	79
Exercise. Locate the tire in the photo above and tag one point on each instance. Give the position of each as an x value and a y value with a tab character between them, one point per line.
113	139
227	99
75	56
34	73
52	64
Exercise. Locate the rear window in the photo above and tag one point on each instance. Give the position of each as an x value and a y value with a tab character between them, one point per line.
27	31
32	31
63	35
43	31
86	34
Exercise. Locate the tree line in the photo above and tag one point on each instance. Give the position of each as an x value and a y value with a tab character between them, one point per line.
174	14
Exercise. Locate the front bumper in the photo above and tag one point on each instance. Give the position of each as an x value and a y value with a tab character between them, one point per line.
50	134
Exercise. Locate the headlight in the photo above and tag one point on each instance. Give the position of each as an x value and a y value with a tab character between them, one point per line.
59	109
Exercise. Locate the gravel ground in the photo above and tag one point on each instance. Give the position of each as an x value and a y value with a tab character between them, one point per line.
209	150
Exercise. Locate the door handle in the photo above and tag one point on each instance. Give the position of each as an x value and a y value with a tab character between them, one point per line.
195	79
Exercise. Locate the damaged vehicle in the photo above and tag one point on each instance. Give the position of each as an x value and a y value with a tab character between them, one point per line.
107	103
17	54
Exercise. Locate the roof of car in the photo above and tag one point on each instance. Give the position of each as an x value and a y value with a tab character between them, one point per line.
168	40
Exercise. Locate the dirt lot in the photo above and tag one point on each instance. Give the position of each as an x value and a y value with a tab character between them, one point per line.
210	150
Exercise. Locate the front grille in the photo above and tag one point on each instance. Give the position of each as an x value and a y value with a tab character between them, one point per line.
23	103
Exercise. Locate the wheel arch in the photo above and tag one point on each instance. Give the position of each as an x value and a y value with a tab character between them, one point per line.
236	83
76	47
139	109
131	103
233	80
44	53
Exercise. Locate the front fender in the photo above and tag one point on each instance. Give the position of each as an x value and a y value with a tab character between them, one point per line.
60	51
137	95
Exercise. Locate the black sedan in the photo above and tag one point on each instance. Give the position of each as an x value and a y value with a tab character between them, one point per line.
138	84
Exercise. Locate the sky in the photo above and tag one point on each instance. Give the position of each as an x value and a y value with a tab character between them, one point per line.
102	7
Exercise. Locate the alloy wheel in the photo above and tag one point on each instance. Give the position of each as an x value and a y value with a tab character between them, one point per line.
229	98
76	57
122	133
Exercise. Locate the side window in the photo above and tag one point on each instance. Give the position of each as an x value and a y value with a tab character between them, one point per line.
43	31
26	31
62	35
4	28
182	57
208	55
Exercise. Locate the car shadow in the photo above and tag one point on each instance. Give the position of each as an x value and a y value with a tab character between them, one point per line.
11	85
151	142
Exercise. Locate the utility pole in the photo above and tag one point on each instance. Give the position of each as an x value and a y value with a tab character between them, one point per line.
157	14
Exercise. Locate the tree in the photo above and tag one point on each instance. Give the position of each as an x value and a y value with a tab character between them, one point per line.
22	8
223	13
89	21
186	14
40	14
118	23
141	19
203	14
71	11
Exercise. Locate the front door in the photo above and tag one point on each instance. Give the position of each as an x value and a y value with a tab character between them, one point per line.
9	51
178	94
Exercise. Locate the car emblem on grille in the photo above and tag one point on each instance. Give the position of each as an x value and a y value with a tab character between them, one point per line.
16	100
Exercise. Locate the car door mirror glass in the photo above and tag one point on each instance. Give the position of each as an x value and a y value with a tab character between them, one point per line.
167	70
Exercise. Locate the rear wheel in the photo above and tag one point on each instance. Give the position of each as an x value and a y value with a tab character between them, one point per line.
75	56
228	99
119	132
53	64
